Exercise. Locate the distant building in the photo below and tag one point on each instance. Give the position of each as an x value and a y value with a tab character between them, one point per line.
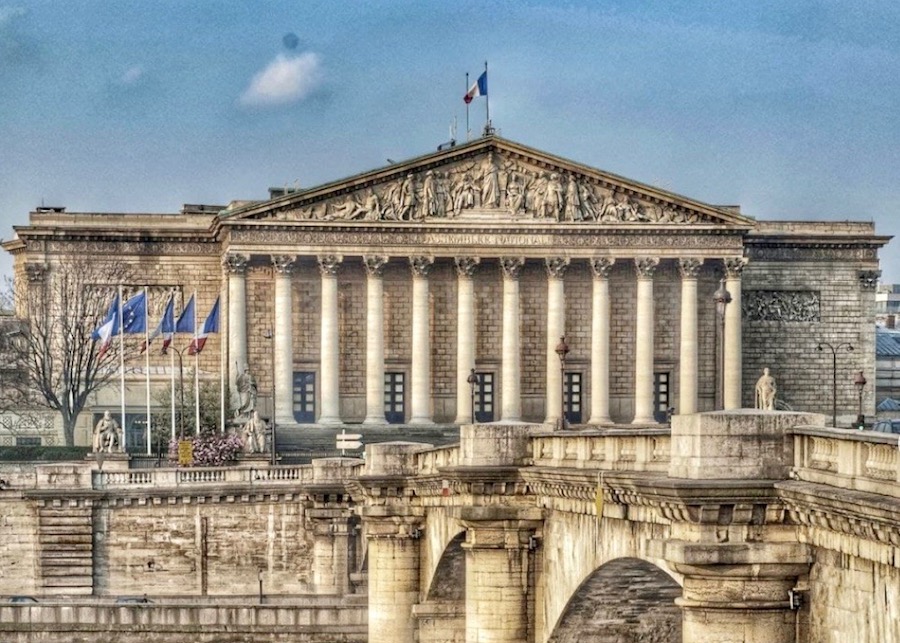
887	372
887	304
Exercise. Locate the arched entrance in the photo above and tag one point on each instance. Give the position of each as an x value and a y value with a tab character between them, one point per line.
627	600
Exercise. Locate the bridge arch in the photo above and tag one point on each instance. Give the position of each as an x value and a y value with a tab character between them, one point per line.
627	600
448	583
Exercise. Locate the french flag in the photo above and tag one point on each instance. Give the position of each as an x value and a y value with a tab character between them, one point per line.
211	325
166	326
108	328
479	88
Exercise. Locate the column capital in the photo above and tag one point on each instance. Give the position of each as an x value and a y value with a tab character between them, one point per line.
284	264
646	266
35	272
601	266
421	265
556	266
235	263
512	266
375	264
465	266
393	527
868	279
329	264
689	267
734	266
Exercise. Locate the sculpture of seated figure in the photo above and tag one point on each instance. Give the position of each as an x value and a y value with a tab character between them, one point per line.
254	434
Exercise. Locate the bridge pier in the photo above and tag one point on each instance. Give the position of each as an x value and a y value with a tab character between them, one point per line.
738	592
500	573
331	564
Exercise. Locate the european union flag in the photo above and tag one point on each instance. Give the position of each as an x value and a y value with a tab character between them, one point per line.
134	314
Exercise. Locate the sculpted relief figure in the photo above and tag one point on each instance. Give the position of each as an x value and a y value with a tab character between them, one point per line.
515	195
429	196
573	207
464	194
490	185
588	199
405	203
765	391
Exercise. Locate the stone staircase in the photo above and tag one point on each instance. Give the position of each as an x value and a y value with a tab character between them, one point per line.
66	548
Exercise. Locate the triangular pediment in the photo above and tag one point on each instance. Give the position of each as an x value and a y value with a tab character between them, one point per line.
494	181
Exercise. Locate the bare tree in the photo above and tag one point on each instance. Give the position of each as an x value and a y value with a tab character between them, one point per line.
60	363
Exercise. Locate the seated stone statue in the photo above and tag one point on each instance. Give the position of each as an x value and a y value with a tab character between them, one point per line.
106	435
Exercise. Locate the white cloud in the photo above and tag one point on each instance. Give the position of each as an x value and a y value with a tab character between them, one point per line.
132	75
284	80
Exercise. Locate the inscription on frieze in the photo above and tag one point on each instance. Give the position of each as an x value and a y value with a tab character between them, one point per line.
781	305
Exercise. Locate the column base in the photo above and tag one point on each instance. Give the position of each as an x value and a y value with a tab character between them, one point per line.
464	419
424	420
603	421
375	420
330	421
644	420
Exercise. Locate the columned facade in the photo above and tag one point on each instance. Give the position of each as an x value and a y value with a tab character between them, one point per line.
374	338
421	341
236	268
643	341
511	409
284	338
465	335
556	329
600	330
330	341
733	365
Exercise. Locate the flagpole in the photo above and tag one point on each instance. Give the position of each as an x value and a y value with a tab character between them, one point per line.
172	378
222	370
147	367
467	108
487	109
196	374
121	330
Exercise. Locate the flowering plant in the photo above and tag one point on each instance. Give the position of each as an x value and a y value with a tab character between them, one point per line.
211	448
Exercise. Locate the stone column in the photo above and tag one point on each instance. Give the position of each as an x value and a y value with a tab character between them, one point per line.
556	328
643	341
499	579
374	339
393	553
465	336
284	339
511	397
738	591
420	410
332	531
235	266
600	323
732	387
687	390
330	342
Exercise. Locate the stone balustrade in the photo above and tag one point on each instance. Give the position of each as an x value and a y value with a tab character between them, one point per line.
430	461
848	459
199	477
608	449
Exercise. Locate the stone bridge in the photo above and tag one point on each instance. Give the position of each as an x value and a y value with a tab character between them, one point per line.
516	534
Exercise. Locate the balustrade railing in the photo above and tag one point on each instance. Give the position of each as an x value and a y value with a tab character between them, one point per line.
199	477
848	459
608	449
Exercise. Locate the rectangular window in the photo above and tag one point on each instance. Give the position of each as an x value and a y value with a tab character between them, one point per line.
394	411
304	407
661	396
484	397
27	442
572	402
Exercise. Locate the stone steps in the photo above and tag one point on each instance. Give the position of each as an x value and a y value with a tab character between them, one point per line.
66	538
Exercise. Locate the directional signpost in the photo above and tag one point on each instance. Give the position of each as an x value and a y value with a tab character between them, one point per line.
348	441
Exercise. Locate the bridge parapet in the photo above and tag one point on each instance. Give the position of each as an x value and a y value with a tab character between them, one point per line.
605	449
848	459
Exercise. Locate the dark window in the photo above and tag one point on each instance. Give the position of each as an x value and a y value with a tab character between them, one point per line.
661	397
394	395
484	397
27	442
573	390
305	397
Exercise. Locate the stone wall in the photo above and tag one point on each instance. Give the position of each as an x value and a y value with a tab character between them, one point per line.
18	555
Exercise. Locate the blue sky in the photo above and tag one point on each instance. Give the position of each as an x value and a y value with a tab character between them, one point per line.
786	108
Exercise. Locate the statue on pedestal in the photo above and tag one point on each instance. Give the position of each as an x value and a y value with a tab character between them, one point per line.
254	434
765	391
246	386
106	437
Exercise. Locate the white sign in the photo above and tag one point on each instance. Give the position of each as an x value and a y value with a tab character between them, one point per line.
347	444
349	436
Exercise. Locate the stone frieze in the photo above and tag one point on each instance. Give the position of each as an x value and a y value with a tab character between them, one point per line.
781	305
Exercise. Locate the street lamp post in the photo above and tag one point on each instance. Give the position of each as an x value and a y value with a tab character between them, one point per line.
472	380
562	349
268	334
860	383
722	298
834	351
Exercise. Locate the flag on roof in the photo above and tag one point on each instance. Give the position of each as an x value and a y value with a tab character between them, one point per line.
211	325
478	88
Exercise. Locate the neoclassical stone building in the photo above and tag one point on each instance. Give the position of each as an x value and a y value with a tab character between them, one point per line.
372	299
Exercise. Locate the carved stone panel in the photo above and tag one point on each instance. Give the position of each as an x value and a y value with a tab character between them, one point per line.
781	305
